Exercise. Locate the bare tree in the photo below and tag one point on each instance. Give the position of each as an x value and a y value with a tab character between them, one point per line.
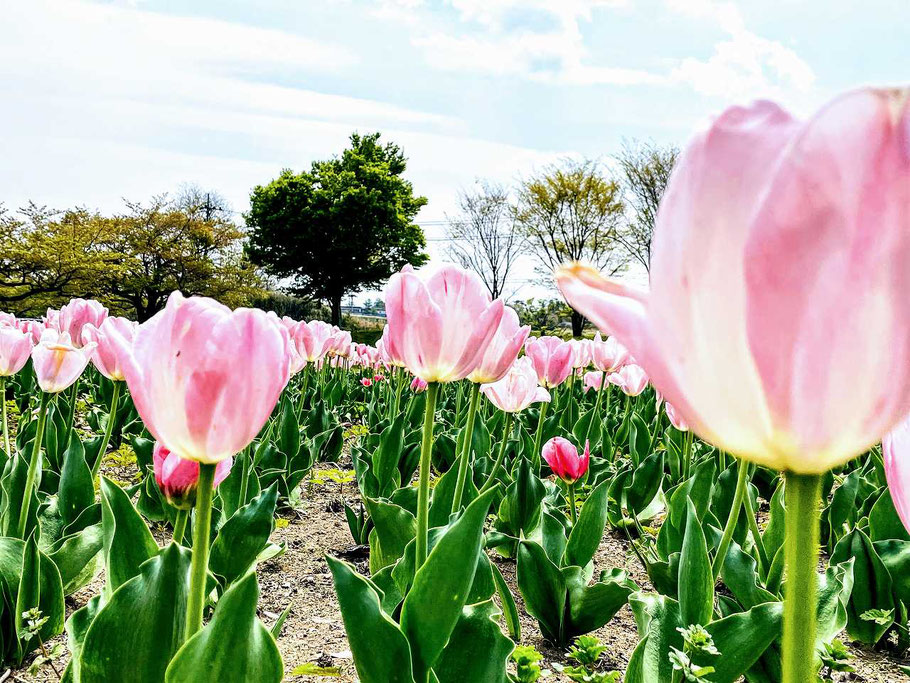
484	237
572	212
646	169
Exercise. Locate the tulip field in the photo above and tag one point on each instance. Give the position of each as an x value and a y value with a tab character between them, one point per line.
714	487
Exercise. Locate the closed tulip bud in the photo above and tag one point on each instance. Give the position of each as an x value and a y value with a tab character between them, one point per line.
552	359
57	362
778	321
177	477
366	381
418	385
77	314
441	321
631	379
562	457
204	378
15	348
517	389
379	377
114	345
503	349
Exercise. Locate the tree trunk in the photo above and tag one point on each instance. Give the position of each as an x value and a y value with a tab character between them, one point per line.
336	309
578	323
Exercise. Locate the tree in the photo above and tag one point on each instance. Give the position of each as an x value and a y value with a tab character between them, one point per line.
130	261
646	169
343	226
572	212
484	237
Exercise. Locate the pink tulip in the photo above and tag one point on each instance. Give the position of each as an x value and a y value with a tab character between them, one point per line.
592	380
77	314
503	349
204	378
15	348
114	340
440	321
8	320
631	379
896	454
52	319
340	343
608	355
778	321
313	339
379	378
33	328
366	381
552	358
581	353
675	418
57	362
517	389
418	385
382	348
562	457
177	477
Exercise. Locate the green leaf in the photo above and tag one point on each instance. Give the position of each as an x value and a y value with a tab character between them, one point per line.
141	627
288	431
393	529
585	537
658	619
234	647
77	490
590	607
39	586
884	523
741	639
386	457
543	588
381	652
433	606
895	555
127	541
477	649
510	609
696	581
75	556
243	536
872	586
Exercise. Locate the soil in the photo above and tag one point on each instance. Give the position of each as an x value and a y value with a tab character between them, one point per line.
314	633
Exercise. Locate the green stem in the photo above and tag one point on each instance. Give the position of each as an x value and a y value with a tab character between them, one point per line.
33	465
572	509
108	430
466	449
507	426
687	455
5	422
536	454
202	530
763	562
423	490
303	390
71	414
801	494
180	526
742	479
596	414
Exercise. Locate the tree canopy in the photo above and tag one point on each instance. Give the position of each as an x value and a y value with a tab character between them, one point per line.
345	225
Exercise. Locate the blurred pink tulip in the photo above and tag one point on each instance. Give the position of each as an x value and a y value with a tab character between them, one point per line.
778	322
382	348
204	378
77	314
562	457
52	319
418	385
503	349
517	389
896	454
114	341
57	362
675	418
552	359
581	353
608	355
379	378
592	380
8	320
15	348
33	328
366	381
441	321
177	477
631	379
313	339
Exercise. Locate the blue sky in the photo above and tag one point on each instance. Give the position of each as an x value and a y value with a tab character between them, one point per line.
106	100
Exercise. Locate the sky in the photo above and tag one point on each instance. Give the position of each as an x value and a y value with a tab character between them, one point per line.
106	101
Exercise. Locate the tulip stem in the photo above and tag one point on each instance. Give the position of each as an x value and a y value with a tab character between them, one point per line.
466	448
423	490
180	526
801	495
572	510
33	466
491	480
742	480
108	430
687	455
202	531
763	562
5	422
596	414
71	414
303	390
537	439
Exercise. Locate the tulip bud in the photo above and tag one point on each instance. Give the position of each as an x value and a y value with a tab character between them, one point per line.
177	477
562	457
418	385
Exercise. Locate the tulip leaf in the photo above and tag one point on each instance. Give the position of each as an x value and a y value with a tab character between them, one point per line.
741	639
234	647
243	537
590	607
75	556
696	581
386	457
381	652
657	617
884	522
39	587
393	529
510	609
77	490
128	543
138	631
543	588
441	586
585	537
477	649
872	586
288	431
